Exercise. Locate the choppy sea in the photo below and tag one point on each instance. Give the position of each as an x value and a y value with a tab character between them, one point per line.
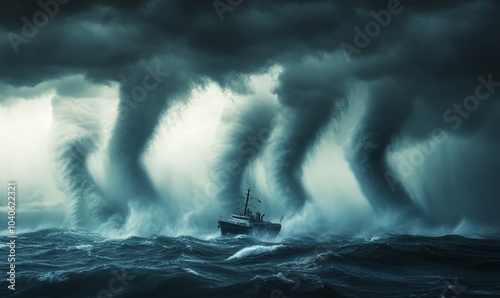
67	263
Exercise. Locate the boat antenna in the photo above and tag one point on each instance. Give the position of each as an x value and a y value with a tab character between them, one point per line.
246	200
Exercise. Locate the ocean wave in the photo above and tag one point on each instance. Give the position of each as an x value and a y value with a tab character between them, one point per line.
189	270
54	276
83	265
254	250
81	247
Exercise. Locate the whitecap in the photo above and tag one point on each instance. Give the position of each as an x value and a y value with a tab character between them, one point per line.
254	250
241	236
192	271
52	276
83	246
283	278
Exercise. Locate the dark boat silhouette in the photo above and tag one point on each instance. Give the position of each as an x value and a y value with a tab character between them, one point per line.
248	223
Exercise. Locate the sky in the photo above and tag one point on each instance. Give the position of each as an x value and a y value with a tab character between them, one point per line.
154	116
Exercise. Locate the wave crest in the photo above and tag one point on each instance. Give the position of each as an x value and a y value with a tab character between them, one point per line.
254	250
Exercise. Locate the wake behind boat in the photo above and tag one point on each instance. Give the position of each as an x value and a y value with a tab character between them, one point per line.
248	223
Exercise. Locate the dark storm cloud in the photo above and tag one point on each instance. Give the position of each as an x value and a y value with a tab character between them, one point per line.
428	54
121	36
255	35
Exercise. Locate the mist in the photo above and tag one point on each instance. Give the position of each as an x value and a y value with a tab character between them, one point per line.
335	127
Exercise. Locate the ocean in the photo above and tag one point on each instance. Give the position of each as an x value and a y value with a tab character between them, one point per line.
71	263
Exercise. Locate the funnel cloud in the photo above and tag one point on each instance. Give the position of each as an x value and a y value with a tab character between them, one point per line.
426	67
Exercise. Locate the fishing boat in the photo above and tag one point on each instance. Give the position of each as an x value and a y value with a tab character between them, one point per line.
248	223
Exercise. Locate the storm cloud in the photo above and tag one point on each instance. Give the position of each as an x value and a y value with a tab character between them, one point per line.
425	66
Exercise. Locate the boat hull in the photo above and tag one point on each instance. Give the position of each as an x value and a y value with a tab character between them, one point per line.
270	229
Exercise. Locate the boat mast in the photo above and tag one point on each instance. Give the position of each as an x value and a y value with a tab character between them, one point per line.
246	201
